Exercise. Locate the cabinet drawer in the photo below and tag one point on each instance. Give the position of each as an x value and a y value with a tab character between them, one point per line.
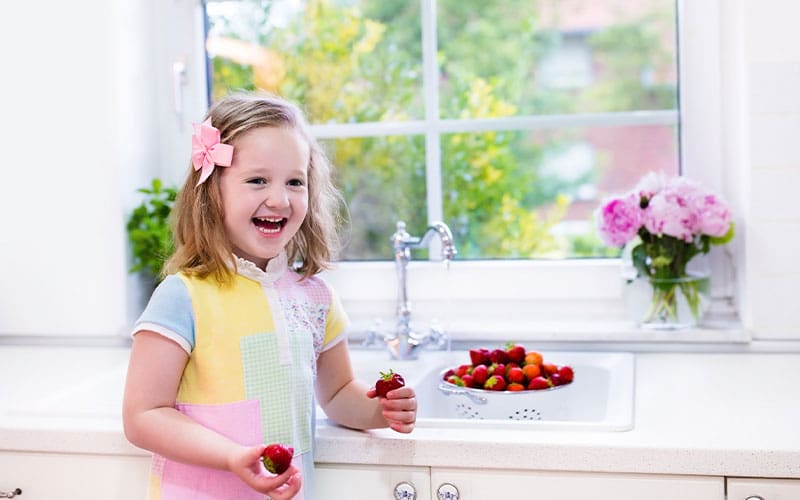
484	484
368	482
742	488
51	476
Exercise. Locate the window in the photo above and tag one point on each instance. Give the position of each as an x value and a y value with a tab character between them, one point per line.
511	119
508	120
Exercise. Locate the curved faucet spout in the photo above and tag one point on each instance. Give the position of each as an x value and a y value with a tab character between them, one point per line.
404	342
448	245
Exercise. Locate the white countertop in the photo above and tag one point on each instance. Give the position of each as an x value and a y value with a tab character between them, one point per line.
704	414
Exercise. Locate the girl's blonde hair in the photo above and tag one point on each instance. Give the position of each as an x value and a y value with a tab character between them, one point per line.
202	247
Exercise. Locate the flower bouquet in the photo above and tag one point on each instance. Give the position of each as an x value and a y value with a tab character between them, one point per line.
665	224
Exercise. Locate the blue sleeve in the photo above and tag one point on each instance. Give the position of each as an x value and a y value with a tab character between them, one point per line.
169	313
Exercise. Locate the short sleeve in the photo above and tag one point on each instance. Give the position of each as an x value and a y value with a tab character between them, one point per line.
169	313
336	323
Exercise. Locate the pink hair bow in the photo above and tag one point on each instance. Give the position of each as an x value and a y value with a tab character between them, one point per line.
207	150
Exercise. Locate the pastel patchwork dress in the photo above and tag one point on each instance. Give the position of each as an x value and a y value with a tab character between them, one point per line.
252	349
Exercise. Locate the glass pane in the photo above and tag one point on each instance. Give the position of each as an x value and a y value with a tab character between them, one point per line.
344	61
532	194
556	56
383	181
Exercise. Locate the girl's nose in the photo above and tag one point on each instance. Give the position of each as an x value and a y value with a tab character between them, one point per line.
277	197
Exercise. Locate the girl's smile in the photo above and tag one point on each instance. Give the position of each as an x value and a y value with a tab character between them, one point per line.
269	226
265	192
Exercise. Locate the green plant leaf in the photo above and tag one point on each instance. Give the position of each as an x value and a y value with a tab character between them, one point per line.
721	240
149	231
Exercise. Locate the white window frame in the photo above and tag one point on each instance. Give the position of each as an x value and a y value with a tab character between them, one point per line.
569	300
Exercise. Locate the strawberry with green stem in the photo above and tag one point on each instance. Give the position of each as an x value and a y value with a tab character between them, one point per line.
277	458
388	382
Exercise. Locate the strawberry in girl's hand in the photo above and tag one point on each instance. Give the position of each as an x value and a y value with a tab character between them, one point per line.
388	382
277	458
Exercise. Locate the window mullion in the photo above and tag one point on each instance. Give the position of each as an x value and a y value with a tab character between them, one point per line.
433	149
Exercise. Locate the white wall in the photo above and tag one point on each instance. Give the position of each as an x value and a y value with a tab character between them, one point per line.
75	102
771	70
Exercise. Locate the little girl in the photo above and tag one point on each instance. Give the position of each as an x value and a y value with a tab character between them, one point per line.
227	352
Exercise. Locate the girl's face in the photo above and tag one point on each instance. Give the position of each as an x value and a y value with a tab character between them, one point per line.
265	192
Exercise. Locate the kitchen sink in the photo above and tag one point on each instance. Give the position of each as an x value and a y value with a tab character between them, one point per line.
600	398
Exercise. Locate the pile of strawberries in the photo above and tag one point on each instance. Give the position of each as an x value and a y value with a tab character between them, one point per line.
509	369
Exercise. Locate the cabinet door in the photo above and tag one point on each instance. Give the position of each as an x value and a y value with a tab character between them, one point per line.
484	484
742	488
369	482
46	476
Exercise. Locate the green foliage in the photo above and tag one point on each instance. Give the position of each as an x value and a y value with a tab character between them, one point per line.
149	230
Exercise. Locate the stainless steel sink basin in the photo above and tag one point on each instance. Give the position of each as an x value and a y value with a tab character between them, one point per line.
600	398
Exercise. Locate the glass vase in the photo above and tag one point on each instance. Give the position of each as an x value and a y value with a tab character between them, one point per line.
668	303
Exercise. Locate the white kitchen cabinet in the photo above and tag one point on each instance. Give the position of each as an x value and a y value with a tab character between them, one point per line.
743	488
371	482
484	484
62	476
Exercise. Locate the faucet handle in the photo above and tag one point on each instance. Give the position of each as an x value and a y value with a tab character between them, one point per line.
438	337
373	334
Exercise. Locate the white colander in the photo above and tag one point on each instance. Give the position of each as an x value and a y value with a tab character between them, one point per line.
463	402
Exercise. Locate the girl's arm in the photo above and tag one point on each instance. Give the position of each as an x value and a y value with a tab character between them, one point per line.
151	421
352	404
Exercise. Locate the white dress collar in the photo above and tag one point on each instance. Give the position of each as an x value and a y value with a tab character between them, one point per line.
276	267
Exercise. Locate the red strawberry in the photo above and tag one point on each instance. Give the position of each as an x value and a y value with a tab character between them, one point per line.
277	458
566	373
388	382
499	356
495	383
479	356
455	380
515	387
468	380
516	353
549	368
480	374
515	374
539	383
497	369
556	379
463	370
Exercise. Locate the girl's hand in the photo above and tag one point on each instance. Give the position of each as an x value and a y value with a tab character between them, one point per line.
399	408
245	462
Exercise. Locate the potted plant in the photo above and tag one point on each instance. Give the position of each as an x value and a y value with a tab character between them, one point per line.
149	230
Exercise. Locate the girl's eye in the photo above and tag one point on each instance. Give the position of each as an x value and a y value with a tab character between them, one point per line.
297	182
257	180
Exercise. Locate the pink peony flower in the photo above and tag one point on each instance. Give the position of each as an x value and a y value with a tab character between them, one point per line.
714	216
672	211
650	184
620	220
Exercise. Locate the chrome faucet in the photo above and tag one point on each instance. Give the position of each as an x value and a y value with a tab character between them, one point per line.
404	342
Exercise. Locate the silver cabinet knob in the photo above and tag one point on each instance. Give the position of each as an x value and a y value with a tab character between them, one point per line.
405	491
447	491
754	497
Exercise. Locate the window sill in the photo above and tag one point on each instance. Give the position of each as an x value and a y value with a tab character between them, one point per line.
543	301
